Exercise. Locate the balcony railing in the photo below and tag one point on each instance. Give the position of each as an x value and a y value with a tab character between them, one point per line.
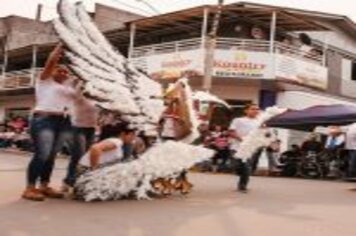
227	44
169	47
18	79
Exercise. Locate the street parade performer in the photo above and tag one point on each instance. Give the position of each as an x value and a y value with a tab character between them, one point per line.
49	126
115	86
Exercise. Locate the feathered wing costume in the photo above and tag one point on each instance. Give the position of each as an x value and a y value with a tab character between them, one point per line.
260	137
115	85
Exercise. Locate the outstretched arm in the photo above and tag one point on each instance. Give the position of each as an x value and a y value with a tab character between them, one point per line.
52	62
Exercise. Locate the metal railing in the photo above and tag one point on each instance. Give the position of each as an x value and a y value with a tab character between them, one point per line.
18	79
176	46
229	44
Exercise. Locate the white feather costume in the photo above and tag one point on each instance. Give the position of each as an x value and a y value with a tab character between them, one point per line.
115	85
259	137
165	160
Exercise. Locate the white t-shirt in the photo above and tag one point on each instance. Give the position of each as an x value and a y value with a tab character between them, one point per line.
351	137
107	157
242	127
84	113
52	96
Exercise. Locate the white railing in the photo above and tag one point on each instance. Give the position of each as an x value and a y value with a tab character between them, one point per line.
18	79
242	44
228	44
176	46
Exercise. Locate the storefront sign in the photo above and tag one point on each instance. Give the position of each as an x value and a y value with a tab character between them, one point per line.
243	64
240	65
176	65
301	72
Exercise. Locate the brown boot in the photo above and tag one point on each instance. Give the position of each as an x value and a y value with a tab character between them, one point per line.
33	194
51	193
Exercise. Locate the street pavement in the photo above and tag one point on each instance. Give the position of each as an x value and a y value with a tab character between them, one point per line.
274	207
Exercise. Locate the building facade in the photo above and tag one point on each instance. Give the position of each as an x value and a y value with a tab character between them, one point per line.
263	54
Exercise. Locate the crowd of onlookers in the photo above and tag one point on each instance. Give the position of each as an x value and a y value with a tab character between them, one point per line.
15	134
329	149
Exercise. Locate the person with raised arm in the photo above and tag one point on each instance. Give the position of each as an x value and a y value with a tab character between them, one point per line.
50	126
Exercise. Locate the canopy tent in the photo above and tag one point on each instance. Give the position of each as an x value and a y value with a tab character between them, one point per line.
309	118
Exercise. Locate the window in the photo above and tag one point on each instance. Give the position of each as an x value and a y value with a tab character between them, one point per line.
353	70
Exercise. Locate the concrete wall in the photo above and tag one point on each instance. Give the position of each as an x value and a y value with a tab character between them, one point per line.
24	32
108	18
334	61
337	38
235	92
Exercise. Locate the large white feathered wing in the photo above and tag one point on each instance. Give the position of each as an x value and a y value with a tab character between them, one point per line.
108	77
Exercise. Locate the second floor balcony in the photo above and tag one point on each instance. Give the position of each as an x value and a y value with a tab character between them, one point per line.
236	59
19	79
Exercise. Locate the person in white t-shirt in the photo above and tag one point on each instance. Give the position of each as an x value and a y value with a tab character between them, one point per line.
109	150
240	128
84	118
50	126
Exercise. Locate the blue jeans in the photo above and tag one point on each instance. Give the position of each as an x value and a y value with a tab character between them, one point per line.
352	163
48	134
83	138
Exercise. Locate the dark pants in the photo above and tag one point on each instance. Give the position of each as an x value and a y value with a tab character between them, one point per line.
243	170
48	134
352	163
246	168
221	154
82	139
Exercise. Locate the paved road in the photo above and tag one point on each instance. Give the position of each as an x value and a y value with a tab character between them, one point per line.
274	207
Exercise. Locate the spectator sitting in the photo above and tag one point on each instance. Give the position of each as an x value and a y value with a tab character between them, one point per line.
7	138
294	153
335	139
219	141
22	140
312	145
18	123
273	156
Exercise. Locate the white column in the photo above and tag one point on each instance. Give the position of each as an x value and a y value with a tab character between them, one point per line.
204	29
132	39
34	64
35	48
325	49
273	31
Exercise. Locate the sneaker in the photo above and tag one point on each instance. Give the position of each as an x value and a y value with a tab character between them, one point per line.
51	193
33	194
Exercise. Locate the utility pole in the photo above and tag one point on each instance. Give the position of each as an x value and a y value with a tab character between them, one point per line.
4	45
35	47
210	49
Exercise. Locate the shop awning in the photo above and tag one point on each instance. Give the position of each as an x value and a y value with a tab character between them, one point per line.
309	118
